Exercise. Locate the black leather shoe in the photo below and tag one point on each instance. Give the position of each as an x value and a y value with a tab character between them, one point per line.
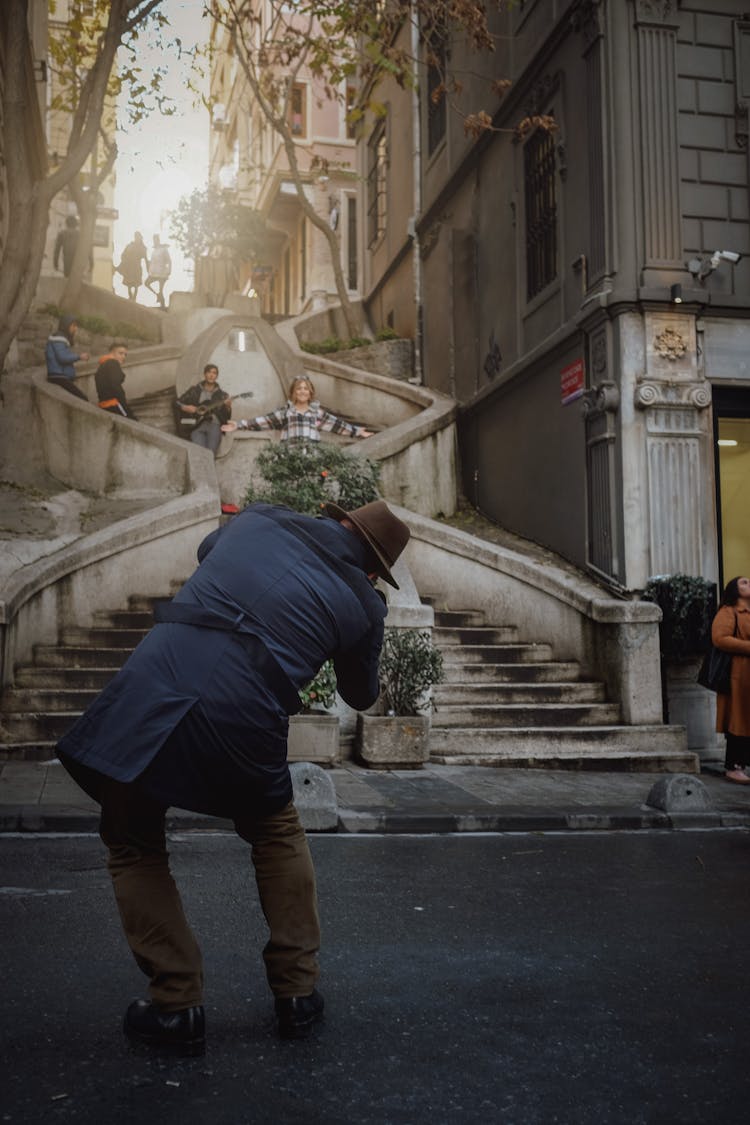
298	1014
182	1032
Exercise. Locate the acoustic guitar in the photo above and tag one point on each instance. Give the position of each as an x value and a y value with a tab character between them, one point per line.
186	422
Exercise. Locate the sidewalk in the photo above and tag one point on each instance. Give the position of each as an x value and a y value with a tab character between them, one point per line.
41	797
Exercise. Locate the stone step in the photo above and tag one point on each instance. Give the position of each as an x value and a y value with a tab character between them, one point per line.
29	726
485	635
124	619
100	638
469	694
40	679
19	699
27	751
459	618
500	654
144	603
156	410
79	656
657	748
514	715
544	671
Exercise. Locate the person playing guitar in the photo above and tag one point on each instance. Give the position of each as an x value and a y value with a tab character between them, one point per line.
207	406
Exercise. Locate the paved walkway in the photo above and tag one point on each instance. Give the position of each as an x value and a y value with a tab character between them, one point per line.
40	797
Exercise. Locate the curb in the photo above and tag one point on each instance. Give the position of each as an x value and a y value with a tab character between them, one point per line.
30	819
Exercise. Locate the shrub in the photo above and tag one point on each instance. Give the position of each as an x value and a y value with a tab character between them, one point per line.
688	605
305	477
409	666
320	693
323	347
334	344
387	334
99	326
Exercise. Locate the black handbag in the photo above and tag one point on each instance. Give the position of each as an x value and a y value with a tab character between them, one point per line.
715	671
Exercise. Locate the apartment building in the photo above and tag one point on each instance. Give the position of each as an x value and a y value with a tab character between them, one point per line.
249	161
582	287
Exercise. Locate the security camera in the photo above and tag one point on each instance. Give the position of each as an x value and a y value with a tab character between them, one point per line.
725	256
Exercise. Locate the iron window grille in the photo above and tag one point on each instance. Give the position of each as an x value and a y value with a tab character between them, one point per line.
541	212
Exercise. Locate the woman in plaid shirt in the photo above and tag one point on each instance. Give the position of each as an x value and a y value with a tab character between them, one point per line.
301	419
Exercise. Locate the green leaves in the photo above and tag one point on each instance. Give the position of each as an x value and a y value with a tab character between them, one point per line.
206	220
305	477
688	605
320	693
409	666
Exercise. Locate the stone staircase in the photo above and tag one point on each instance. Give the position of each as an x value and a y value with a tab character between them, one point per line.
156	410
48	695
504	703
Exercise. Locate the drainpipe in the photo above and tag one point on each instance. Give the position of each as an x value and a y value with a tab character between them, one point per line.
416	118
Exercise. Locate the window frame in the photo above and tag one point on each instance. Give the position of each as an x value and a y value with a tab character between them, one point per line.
377	183
298	89
541	212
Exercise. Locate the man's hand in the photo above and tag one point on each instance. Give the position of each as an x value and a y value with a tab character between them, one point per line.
189	409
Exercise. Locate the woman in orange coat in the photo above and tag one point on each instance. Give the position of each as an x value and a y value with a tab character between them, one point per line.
731	632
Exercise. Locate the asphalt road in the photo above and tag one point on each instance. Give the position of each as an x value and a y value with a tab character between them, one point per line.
515	979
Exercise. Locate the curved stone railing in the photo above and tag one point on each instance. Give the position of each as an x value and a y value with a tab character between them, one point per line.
93	451
417	448
417	438
612	639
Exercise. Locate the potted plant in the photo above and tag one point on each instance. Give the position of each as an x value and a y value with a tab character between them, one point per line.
314	732
399	737
688	605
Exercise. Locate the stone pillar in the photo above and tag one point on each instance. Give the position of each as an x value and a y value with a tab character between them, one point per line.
672	398
656	23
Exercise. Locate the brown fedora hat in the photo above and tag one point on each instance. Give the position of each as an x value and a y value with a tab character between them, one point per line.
386	534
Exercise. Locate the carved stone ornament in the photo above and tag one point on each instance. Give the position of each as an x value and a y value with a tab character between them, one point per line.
493	360
429	240
655	11
541	93
696	396
602	399
670	344
588	19
741	128
599	356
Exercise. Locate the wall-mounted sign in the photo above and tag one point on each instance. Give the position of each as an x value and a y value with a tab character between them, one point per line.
572	382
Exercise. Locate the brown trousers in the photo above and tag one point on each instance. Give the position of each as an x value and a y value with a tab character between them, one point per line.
151	911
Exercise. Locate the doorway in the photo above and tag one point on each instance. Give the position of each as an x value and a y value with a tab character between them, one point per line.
731	411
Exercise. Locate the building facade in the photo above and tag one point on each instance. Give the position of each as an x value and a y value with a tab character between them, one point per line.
58	131
582	287
248	160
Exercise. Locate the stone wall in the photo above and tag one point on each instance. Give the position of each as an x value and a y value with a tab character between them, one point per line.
393	358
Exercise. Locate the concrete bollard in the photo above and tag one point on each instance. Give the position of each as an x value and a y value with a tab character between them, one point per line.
679	792
314	797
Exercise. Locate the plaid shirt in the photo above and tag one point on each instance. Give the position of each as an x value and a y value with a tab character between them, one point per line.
300	425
